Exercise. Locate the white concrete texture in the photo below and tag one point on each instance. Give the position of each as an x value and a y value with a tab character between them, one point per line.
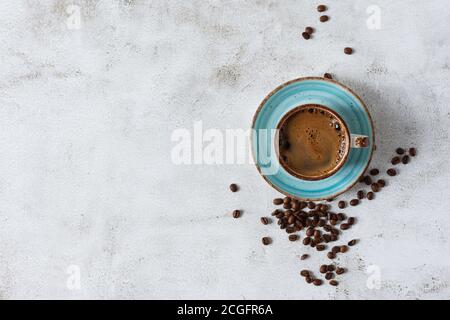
86	178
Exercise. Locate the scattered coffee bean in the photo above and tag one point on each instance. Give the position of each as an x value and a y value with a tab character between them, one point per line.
328	76
306	35
405	159
322	8
348	50
320	247
324	18
307	241
335	249
343	249
266	241
334	283
341	216
374	172
330	200
391	172
375	187
400	151
361	194
354	202
287	200
277	201
233	187
353	242
368	180
331	268
412	152
331	255
323	268
361	178
342	204
293	237
310	232
304	273
236	214
329	275
317	282
381	183
287	206
311	205
265	220
304	257
344	226
340	271
395	160
370	195
309	30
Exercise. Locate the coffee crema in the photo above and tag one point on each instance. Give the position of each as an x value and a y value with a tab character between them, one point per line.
313	142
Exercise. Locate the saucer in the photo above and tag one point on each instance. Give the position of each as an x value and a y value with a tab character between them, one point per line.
311	90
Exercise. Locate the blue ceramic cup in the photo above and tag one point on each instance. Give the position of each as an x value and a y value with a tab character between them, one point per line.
340	101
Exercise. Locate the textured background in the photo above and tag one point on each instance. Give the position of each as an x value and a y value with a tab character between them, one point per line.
86	177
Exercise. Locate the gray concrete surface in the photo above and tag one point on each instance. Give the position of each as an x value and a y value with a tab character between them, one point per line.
88	190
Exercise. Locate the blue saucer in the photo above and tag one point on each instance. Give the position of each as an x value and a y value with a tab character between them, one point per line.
311	91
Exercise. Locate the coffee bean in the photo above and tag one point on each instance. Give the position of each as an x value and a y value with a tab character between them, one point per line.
381	183
331	268
236	214
311	205
291	219
395	160
324	18
330	199
293	237
342	204
405	159
412	152
321	247
343	249
317	282
353	242
304	273
287	206
307	241
321	8
348	50
324	207
287	200
361	194
375	187
333	222
275	213
265	221
303	205
328	76
334	231
317	234
331	255
345	226
333	237
400	151
306	35
351	221
291	230
323	268
334	283
354	202
266	241
277	201
335	249
310	232
361	178
374	172
233	187
368	180
370	195
340	271
304	257
391	172
341	216
309	279
326	238
329	275
309	30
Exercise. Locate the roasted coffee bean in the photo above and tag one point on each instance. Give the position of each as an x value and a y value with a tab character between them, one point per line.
400	151
307	241
329	275
312	244
304	257
331	268
277	201
334	231
342	204
361	178
291	230
309	30
309	279
306	35
334	237
348	50
317	282
374	172
266	241
317	234
343	249
324	18
412	152
381	183
368	180
311	205
323	268
287	206
335	249
295	205
287	200
354	202
351	221
391	172
304	273
331	255
333	222
341	216
310	232
375	187
322	223
340	271
275	213
361	194
370	195
405	159
265	221
233	187
236	214
322	8
351	243
323	207
293	237
280	214
334	283
328	76
320	247
345	226
326	238
291	219
330	199
302	205
395	160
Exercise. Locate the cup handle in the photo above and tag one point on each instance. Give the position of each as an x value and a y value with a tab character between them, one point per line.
359	141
